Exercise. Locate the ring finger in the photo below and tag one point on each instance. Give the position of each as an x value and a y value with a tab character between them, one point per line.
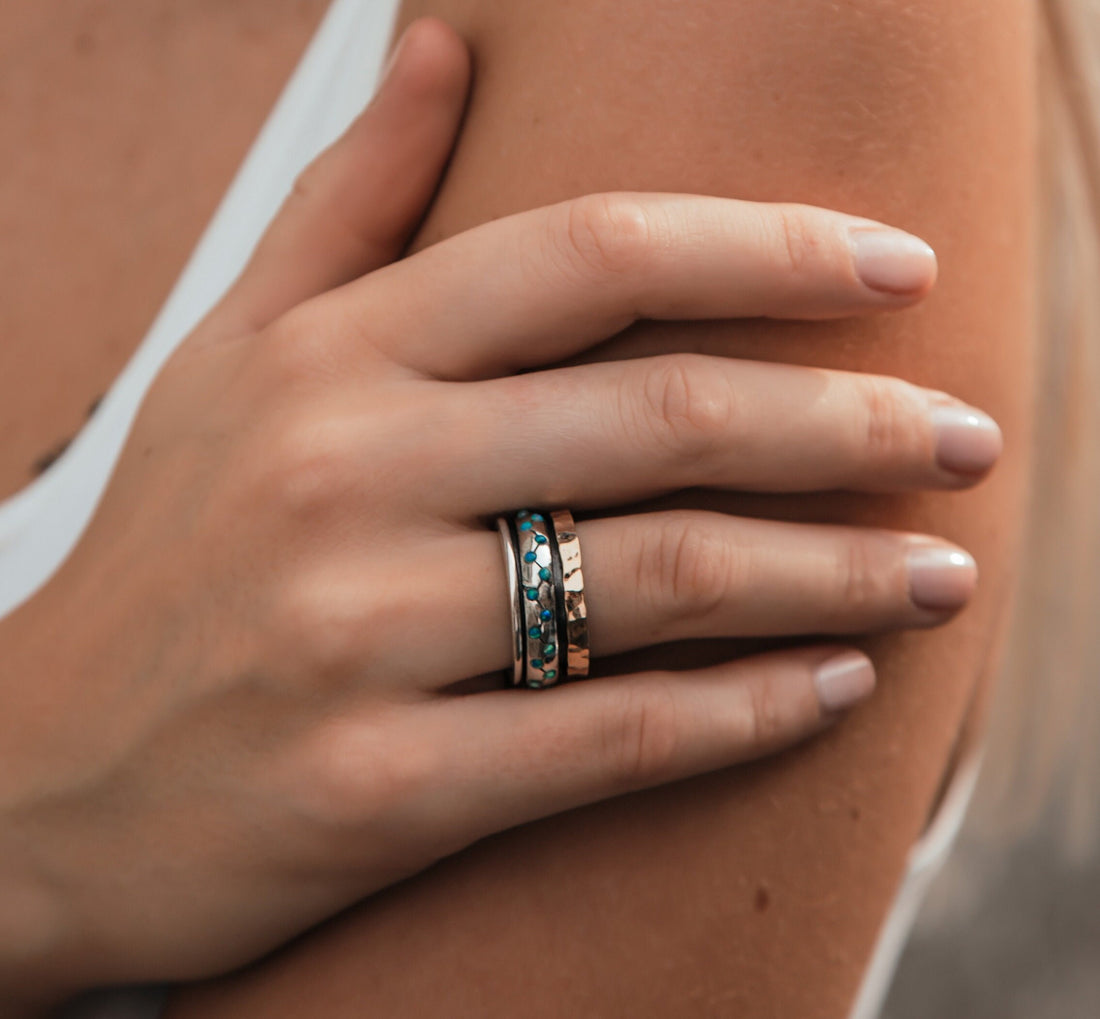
651	578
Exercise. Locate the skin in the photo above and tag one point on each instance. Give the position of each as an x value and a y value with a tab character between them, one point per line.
875	107
739	819
263	584
118	114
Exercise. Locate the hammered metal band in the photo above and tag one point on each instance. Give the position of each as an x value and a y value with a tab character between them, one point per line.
550	636
576	612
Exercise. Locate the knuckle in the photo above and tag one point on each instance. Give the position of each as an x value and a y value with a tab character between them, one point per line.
888	418
642	733
798	243
321	635
860	580
304	468
360	778
688	567
604	235
766	716
299	347
689	408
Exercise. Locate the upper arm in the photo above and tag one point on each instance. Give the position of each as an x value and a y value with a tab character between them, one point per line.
757	890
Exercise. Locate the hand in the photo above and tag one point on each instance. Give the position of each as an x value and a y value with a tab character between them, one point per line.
260	688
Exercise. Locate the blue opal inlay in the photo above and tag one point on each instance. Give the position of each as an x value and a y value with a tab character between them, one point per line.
530	557
532	594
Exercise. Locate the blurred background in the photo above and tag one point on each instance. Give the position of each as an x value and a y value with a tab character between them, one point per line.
1006	935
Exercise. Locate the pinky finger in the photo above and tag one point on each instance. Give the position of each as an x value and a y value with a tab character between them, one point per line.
541	753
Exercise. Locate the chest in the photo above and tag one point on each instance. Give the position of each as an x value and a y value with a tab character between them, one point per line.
121	123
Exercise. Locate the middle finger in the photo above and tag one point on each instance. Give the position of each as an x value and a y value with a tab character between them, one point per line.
614	432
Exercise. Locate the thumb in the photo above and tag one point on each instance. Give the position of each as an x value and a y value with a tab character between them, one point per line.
354	208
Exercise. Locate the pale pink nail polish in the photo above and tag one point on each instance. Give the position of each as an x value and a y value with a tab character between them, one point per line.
967	441
844	680
892	261
941	578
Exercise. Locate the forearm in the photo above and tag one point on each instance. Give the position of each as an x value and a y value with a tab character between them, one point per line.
761	891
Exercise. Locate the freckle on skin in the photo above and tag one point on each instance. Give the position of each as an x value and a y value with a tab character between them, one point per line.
855	813
762	900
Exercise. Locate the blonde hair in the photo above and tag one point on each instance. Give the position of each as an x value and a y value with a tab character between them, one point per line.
1043	754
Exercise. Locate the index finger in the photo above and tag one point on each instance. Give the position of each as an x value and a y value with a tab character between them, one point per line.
540	286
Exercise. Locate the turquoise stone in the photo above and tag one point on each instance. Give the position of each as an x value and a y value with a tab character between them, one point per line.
537	516
540	539
535	632
546	614
549	651
544	573
526	525
536	663
550	675
532	594
529	557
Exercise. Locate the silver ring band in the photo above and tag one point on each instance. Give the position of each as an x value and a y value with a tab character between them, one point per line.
511	568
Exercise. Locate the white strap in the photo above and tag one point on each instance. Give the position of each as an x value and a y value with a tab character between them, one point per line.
40	525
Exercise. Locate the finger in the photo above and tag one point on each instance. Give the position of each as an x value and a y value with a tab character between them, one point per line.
657	577
535	754
650	578
354	208
536	287
614	432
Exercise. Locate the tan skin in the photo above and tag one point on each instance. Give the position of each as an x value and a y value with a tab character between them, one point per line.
792	864
118	114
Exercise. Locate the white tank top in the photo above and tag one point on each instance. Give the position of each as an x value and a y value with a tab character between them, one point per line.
40	525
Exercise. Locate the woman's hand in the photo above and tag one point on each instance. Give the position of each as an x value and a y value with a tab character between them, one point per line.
260	688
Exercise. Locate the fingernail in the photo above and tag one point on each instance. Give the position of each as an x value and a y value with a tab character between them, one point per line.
844	680
391	63
941	578
967	441
892	261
